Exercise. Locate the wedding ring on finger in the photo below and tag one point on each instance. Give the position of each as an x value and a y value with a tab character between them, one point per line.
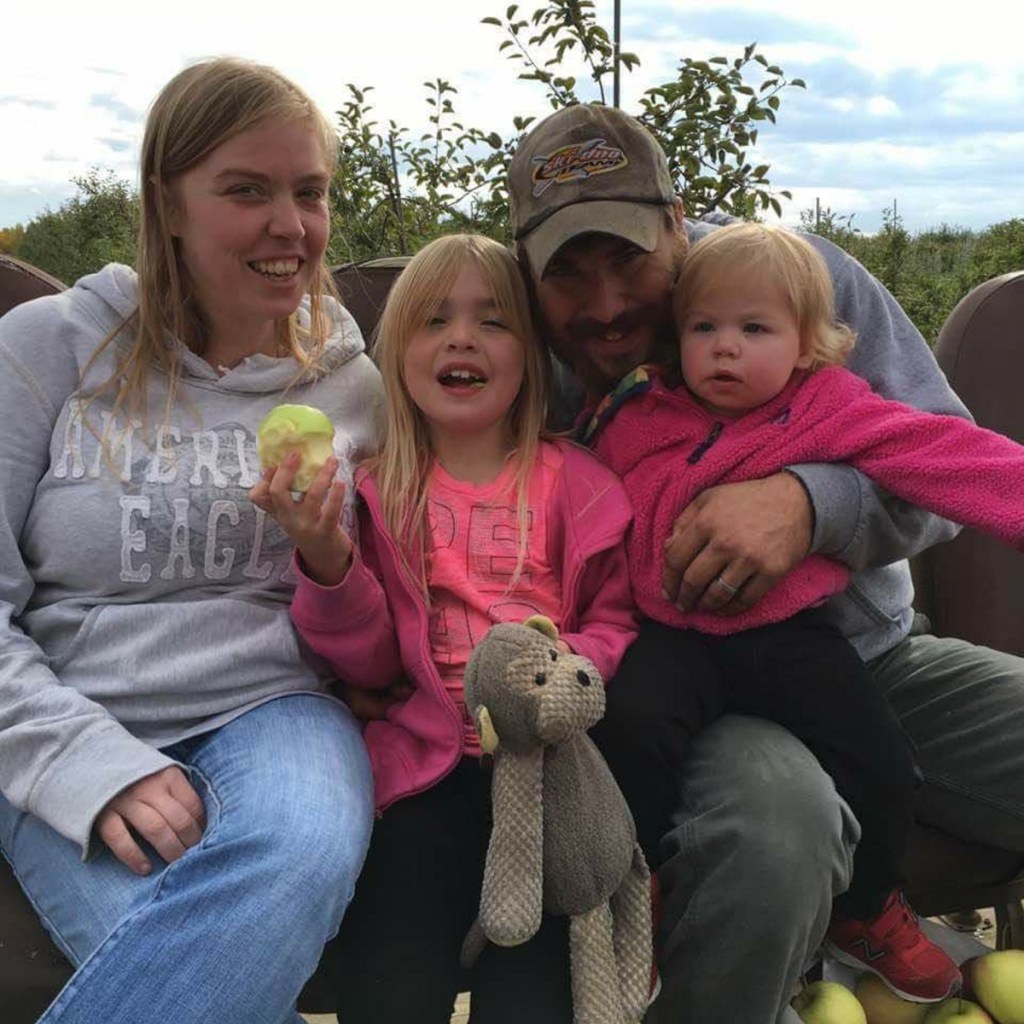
727	587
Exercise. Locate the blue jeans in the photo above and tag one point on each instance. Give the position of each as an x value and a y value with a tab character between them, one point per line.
761	842
231	931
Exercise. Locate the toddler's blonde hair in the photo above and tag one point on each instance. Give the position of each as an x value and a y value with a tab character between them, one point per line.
765	252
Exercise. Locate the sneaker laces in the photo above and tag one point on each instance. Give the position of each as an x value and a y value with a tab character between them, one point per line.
907	923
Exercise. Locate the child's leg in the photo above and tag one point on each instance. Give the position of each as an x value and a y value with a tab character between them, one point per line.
803	674
395	960
531	982
666	689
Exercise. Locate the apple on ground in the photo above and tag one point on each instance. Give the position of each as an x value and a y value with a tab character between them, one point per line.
996	980
828	1002
956	1010
883	1006
296	428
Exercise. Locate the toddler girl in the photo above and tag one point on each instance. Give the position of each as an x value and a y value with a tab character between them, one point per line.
468	517
759	391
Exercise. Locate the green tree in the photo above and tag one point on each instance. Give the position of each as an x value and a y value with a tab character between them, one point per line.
998	250
394	191
10	239
94	227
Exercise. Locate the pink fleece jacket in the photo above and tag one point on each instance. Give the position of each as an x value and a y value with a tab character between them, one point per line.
372	627
667	448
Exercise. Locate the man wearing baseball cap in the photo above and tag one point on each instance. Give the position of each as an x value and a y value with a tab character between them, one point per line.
762	843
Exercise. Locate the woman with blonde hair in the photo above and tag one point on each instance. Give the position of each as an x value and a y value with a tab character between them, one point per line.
469	516
182	801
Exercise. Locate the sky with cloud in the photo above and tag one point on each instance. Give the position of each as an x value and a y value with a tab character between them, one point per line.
905	101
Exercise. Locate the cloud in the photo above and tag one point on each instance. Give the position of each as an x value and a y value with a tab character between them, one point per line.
925	106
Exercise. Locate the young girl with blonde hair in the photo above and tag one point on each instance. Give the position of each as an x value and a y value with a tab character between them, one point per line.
185	805
759	388
468	516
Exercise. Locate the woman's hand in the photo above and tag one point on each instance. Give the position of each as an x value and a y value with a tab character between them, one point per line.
163	809
312	521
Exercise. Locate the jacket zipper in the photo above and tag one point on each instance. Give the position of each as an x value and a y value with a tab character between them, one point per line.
713	435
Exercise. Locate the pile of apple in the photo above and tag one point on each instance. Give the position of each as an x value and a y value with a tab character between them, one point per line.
993	994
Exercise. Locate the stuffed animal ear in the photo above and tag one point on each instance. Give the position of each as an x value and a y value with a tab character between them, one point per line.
485	730
542	624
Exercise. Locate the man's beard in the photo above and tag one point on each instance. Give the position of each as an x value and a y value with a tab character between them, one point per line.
586	336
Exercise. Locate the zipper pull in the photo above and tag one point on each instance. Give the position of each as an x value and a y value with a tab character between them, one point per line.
698	453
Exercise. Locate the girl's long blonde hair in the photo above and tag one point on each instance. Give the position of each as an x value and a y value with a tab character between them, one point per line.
402	467
200	109
762	251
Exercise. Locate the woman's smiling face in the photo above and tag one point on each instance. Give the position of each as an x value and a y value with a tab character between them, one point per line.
251	222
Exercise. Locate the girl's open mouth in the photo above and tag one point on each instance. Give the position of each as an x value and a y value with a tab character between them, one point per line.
461	378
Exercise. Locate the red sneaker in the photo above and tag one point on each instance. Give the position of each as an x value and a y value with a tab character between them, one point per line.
893	946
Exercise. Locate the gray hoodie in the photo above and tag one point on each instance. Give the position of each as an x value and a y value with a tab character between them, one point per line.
143	598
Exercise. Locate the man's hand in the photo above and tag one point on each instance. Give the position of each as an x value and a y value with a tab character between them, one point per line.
163	809
734	542
372	705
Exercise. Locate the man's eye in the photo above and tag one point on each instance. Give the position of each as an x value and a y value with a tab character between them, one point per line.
557	270
313	195
245	190
625	256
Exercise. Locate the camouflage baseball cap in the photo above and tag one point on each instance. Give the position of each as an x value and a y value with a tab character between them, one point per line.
587	168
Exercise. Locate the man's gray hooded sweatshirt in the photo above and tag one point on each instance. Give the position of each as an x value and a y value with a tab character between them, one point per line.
143	598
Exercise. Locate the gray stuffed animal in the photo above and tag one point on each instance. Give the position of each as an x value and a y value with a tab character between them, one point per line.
563	840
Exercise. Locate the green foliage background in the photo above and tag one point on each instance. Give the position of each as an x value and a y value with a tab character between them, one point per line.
395	190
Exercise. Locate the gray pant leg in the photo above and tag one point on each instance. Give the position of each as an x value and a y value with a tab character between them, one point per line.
963	708
760	846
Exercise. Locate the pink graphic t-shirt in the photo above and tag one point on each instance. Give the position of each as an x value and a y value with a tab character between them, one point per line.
474	541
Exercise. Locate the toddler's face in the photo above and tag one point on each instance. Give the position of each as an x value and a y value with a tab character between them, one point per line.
739	345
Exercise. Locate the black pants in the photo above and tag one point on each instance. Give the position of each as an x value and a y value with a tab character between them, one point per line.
801	673
396	958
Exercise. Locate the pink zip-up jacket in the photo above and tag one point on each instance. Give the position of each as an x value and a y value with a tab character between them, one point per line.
373	626
667	449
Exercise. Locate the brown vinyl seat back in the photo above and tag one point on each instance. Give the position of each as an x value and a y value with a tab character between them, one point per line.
364	288
20	282
973	587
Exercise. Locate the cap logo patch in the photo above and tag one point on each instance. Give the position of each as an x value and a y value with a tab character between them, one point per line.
575	161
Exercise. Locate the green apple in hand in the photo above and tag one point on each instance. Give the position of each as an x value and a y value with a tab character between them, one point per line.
996	980
956	1011
828	1002
883	1006
296	428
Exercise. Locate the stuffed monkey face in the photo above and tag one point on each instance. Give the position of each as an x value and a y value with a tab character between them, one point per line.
558	693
